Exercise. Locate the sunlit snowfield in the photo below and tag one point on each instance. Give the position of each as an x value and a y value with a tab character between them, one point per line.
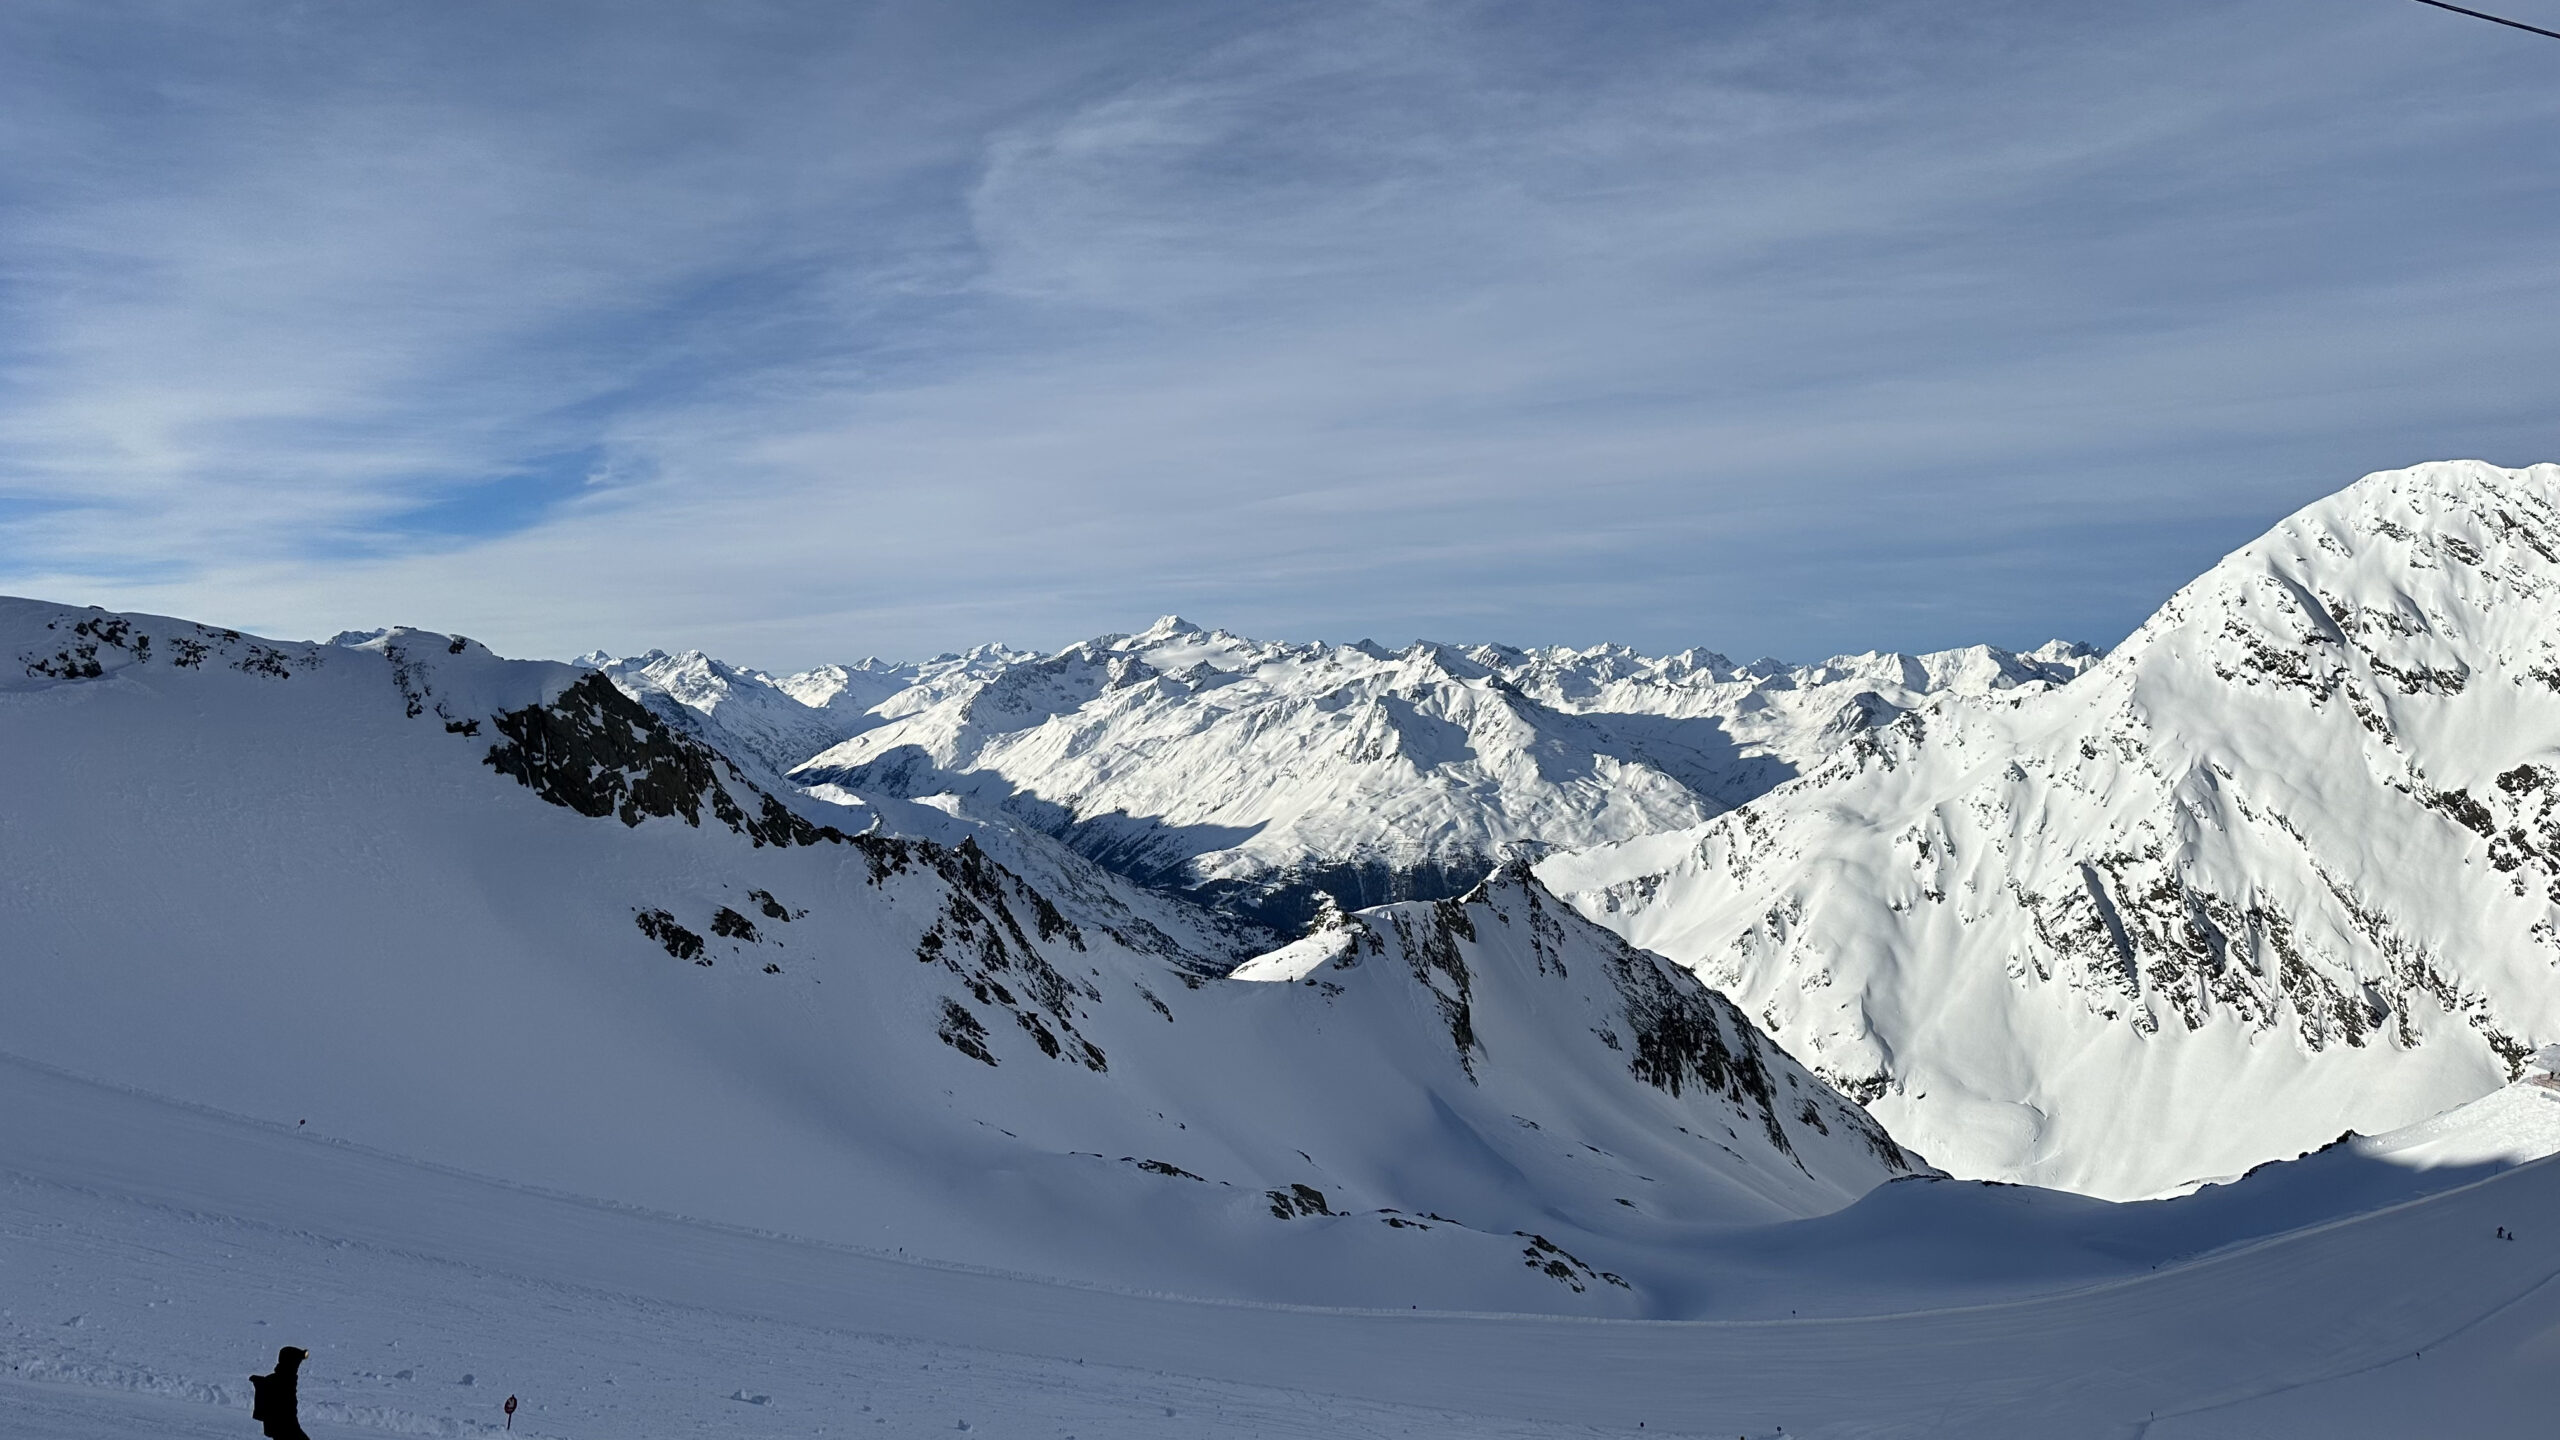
152	1255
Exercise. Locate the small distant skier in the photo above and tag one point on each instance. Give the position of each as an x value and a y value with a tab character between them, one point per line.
273	1402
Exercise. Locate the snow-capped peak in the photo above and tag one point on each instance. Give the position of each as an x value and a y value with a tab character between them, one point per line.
1166	627
1259	774
2286	862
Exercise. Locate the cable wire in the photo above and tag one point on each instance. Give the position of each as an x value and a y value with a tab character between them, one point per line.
2492	19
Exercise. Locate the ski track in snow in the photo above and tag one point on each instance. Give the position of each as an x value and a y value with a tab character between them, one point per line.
154	1254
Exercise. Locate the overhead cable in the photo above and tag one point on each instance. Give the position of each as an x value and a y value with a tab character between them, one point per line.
2492	19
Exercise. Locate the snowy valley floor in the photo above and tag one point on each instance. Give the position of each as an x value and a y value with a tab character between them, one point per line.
151	1255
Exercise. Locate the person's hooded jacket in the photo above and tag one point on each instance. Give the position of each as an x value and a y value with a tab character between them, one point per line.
275	1402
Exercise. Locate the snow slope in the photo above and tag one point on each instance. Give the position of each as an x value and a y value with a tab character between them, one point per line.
2286	863
1258	776
2509	1126
495	915
153	1255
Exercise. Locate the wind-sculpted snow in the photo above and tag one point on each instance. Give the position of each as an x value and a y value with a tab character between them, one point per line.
2287	863
496	915
1259	776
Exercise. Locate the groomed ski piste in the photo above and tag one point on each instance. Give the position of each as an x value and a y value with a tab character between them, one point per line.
152	1254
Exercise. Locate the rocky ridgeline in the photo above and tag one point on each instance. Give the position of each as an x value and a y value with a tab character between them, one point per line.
1261	778
597	751
2283	865
93	644
1653	1019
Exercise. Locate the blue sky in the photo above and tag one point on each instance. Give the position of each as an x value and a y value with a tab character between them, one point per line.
803	332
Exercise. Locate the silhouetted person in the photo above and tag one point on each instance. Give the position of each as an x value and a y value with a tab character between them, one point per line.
273	1403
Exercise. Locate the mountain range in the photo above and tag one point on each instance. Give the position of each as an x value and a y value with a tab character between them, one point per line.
2280	865
1257	777
1204	1008
497	915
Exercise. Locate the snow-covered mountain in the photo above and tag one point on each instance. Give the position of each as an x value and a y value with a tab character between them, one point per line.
496	915
1262	777
780	721
496	1033
2286	863
767	725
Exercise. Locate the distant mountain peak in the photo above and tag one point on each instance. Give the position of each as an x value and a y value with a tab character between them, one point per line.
1168	627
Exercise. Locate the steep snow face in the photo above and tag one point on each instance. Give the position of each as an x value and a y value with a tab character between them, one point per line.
2286	863
1261	776
497	915
1548	1014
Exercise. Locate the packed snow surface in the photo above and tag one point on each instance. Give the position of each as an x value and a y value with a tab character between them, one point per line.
152	1255
2286	863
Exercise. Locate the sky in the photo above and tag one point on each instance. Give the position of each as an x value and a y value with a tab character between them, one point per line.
803	332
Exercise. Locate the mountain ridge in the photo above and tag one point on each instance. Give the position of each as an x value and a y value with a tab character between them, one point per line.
2310	802
498	916
1258	776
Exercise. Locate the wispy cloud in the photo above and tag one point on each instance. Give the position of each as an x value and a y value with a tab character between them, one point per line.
807	331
